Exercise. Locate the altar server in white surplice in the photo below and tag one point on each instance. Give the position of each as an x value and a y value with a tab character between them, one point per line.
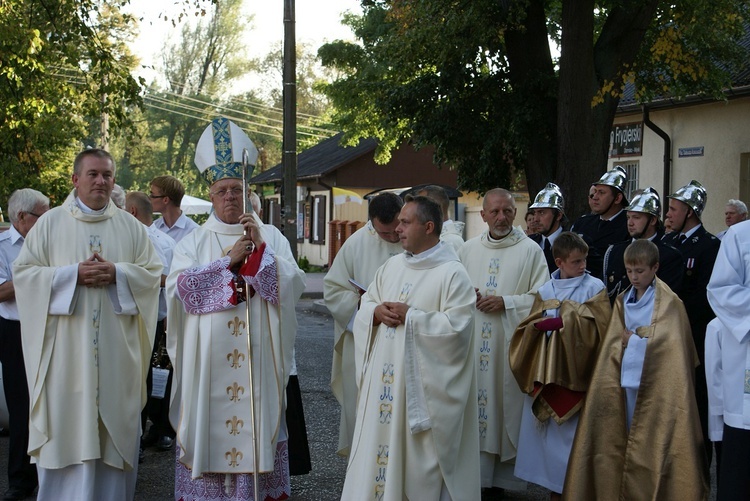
416	434
87	289
728	361
358	259
208	338
506	268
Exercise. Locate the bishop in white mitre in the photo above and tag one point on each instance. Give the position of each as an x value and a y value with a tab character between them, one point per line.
230	425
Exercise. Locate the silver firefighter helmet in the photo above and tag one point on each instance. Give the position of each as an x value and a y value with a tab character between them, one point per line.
646	201
694	195
616	178
550	197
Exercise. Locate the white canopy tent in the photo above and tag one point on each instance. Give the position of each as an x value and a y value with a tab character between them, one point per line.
193	205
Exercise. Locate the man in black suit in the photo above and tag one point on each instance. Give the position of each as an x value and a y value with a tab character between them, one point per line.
643	223
548	209
607	223
699	249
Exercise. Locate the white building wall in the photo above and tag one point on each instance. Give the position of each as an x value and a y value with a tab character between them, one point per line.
722	129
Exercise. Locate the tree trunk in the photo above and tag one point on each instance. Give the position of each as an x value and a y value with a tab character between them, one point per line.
583	128
532	73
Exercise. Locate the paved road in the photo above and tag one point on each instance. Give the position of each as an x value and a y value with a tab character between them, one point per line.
314	345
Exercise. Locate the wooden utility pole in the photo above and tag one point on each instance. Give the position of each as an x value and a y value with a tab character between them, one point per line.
289	186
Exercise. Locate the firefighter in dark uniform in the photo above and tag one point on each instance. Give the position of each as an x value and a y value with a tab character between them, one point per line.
643	223
549	215
607	223
699	249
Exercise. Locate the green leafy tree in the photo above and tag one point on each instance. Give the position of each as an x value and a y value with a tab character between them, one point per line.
202	65
477	79
313	106
62	65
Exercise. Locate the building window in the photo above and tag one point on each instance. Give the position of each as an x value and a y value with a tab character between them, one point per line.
631	168
318	220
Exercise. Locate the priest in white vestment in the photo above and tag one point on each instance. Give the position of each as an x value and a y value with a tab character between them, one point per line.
506	269
358	259
214	408
415	435
87	287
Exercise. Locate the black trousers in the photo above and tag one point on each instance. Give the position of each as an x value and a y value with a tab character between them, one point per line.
21	473
157	409
299	449
734	481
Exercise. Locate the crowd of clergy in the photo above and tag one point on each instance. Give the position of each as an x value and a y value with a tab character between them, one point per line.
605	362
599	363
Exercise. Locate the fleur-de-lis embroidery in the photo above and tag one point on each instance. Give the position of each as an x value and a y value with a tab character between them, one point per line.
387	376
234	457
494	267
486	330
95	244
390	332
234	425
234	392
95	319
404	292
386	411
380	488
382	455
482	398
234	359
236	324
482	429
484	362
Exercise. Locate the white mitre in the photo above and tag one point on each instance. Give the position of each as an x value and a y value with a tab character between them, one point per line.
218	154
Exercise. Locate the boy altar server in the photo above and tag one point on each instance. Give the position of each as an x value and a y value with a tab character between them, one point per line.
639	435
552	355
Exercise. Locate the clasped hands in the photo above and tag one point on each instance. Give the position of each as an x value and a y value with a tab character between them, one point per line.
251	240
96	272
489	304
391	314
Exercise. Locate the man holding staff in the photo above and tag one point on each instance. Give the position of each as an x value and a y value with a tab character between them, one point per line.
231	346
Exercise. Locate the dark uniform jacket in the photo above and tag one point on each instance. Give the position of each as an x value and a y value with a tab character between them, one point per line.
599	235
670	267
698	257
537	237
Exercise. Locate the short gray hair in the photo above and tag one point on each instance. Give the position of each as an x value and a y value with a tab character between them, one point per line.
118	196
25	200
737	204
255	202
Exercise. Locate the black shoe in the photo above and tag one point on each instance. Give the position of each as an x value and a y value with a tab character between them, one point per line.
149	439
165	443
141	455
17	493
